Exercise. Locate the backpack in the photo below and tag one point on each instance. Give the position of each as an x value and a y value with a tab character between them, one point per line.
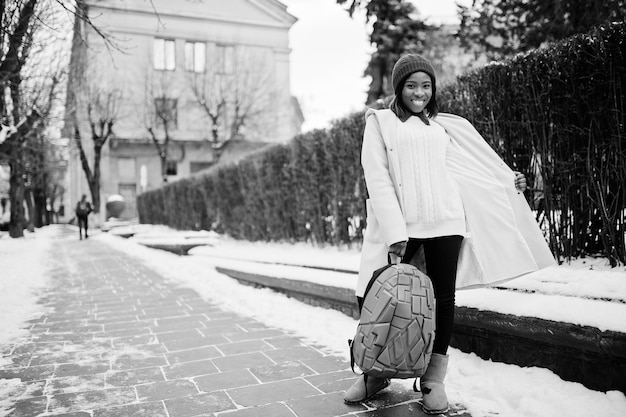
396	330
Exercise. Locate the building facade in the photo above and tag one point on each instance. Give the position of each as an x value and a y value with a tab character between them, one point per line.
175	87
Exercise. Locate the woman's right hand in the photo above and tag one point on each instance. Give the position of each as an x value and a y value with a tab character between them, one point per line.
398	248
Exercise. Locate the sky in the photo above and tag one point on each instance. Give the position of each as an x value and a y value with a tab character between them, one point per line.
485	388
330	52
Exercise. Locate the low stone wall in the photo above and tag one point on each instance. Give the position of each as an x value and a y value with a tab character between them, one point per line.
584	354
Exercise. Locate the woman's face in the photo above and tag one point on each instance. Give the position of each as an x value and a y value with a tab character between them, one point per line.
417	91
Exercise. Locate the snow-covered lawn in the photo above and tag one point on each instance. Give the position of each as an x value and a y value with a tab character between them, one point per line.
483	387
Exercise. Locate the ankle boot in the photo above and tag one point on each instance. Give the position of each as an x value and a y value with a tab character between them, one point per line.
364	388
434	400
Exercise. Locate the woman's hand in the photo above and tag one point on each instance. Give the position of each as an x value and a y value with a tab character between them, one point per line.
520	181
398	249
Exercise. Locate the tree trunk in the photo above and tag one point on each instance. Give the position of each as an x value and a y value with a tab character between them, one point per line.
40	217
16	197
94	184
28	199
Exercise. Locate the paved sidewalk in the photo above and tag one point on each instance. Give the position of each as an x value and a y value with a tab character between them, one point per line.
120	340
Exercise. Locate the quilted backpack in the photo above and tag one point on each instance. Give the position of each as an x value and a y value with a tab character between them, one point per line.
396	330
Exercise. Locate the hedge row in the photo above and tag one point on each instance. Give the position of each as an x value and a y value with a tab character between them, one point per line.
311	189
556	114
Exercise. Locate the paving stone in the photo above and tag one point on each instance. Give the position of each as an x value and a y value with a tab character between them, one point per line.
75	384
273	410
184	319
332	381
64	357
32	373
128	325
284	342
191	355
145	351
326	364
243	347
272	392
139	340
78	328
169	336
152	409
224	328
77	369
134	377
254	335
90	400
201	404
166	390
194	342
326	405
243	361
17	361
135	361
169	327
190	369
225	380
62	337
293	354
22	390
157	313
285	370
125	332
28	407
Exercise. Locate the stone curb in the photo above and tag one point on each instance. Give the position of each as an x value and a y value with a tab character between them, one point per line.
584	354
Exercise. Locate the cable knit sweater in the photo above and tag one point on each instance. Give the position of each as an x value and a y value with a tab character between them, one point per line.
431	202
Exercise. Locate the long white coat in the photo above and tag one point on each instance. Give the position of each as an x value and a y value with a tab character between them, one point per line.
503	240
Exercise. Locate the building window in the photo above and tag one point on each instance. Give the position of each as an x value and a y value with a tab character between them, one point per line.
164	54
166	112
126	168
171	168
195	56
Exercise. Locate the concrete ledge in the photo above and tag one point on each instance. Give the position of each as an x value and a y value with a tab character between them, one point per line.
584	354
337	298
177	248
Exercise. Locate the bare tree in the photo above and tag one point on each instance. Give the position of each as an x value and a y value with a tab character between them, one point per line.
102	107
23	122
31	71
161	113
92	102
237	92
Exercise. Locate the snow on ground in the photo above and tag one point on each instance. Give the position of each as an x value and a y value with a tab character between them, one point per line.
483	387
24	272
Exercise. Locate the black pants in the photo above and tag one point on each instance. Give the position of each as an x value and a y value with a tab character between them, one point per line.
441	255
83	223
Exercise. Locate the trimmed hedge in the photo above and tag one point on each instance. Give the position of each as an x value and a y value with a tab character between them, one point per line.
556	114
311	189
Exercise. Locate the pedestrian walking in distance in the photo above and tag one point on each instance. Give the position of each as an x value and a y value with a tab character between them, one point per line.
83	208
435	184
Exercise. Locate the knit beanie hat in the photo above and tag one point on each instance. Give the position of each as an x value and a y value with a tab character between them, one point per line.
408	64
